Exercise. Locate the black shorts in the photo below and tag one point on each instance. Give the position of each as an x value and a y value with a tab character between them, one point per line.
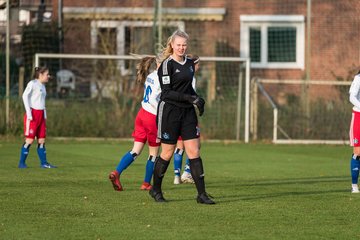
174	121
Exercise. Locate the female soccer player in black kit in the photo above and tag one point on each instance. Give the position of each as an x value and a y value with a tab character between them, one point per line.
176	115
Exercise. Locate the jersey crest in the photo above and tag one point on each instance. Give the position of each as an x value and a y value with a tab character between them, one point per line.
166	79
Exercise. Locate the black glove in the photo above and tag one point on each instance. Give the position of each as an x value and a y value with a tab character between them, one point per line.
200	104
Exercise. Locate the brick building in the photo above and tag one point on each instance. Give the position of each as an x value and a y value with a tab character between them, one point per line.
272	32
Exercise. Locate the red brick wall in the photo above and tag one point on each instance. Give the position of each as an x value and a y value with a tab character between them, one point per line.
335	38
335	31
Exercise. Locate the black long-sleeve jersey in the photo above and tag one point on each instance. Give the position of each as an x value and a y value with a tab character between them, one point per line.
176	81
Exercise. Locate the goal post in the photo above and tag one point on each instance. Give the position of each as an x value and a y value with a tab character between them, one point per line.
335	112
224	80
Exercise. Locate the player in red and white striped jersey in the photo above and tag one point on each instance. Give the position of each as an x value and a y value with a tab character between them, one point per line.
354	132
35	117
145	126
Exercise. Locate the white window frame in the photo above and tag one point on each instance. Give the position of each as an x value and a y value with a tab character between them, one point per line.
264	22
120	33
24	17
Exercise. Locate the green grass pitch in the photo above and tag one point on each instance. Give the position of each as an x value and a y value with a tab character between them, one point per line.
262	191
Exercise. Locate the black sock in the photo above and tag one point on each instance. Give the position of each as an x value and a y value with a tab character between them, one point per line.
159	171
197	172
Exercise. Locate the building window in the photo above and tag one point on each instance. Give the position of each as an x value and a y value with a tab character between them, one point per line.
255	44
273	41
129	37
24	17
281	44
106	43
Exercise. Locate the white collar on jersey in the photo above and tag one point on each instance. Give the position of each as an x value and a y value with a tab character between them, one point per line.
183	62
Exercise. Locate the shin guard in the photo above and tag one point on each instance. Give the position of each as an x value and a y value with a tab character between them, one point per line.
24	152
42	153
159	171
197	172
354	168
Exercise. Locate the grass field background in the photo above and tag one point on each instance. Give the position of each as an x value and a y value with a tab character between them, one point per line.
262	191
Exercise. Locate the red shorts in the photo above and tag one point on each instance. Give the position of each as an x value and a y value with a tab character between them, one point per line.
145	128
37	126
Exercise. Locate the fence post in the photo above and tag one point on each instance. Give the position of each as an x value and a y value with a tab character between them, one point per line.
238	115
21	80
254	110
275	125
247	100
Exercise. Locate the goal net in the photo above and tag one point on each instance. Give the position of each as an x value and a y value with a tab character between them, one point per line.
296	111
97	95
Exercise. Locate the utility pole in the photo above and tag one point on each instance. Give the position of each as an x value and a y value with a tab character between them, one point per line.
41	11
308	40
159	23
60	29
7	97
305	86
